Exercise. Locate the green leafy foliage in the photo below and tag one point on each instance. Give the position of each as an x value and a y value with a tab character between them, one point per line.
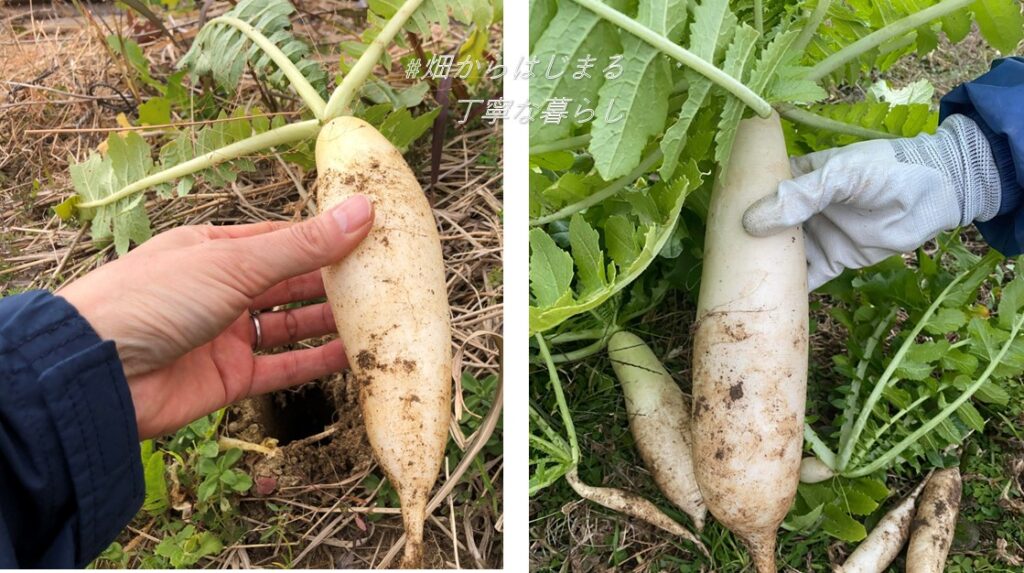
128	158
1001	23
218	477
964	341
636	98
835	506
98	177
186	547
399	125
193	143
479	12
712	28
608	247
153	467
223	51
573	33
898	120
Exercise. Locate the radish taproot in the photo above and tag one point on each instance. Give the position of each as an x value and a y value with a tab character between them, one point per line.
390	303
659	418
883	544
931	531
750	351
631	504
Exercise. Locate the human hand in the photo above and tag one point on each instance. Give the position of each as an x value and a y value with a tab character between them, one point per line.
178	309
865	202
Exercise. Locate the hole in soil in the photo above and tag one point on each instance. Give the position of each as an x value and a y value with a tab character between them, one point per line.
299	414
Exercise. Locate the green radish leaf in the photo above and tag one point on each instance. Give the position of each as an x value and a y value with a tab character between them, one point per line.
839	524
622	240
736	59
970	416
1001	23
1012	365
957	361
653	214
872	488
712	28
157	499
480	12
189	144
65	210
992	393
127	160
985	340
1011	302
223	52
956	25
803	522
550	269
771	60
586	252
541	13
553	160
946	320
156	111
858	503
632	107
402	129
570	188
572	34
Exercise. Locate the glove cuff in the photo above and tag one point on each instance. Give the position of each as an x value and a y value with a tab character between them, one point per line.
961	152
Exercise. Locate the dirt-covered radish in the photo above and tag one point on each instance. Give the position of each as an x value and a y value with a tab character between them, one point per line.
390	302
750	351
883	544
931	531
659	418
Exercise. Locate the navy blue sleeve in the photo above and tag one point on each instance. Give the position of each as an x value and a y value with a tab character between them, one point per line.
70	471
995	101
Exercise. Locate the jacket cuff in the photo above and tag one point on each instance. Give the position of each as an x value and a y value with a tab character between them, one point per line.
81	388
1001	154
89	402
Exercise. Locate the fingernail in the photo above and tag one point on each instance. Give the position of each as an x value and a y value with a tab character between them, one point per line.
352	214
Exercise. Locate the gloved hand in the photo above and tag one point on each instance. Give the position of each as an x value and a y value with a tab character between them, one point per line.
862	203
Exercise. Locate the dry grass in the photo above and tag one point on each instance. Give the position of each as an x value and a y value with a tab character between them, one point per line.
56	73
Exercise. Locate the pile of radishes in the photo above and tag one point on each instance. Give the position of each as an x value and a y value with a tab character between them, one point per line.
736	450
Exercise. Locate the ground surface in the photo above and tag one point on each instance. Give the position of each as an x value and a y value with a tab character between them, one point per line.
569	534
319	500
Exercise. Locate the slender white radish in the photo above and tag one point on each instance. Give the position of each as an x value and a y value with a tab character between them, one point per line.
931	531
390	303
750	351
659	418
633	505
813	470
883	544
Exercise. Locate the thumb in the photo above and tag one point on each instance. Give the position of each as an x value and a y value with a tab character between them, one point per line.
795	201
309	245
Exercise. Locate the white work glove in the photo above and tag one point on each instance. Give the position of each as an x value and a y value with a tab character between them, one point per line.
865	202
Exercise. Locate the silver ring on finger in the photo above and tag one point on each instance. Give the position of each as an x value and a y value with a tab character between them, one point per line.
255	316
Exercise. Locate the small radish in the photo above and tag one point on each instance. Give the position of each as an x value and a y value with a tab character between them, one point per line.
659	417
931	532
883	544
